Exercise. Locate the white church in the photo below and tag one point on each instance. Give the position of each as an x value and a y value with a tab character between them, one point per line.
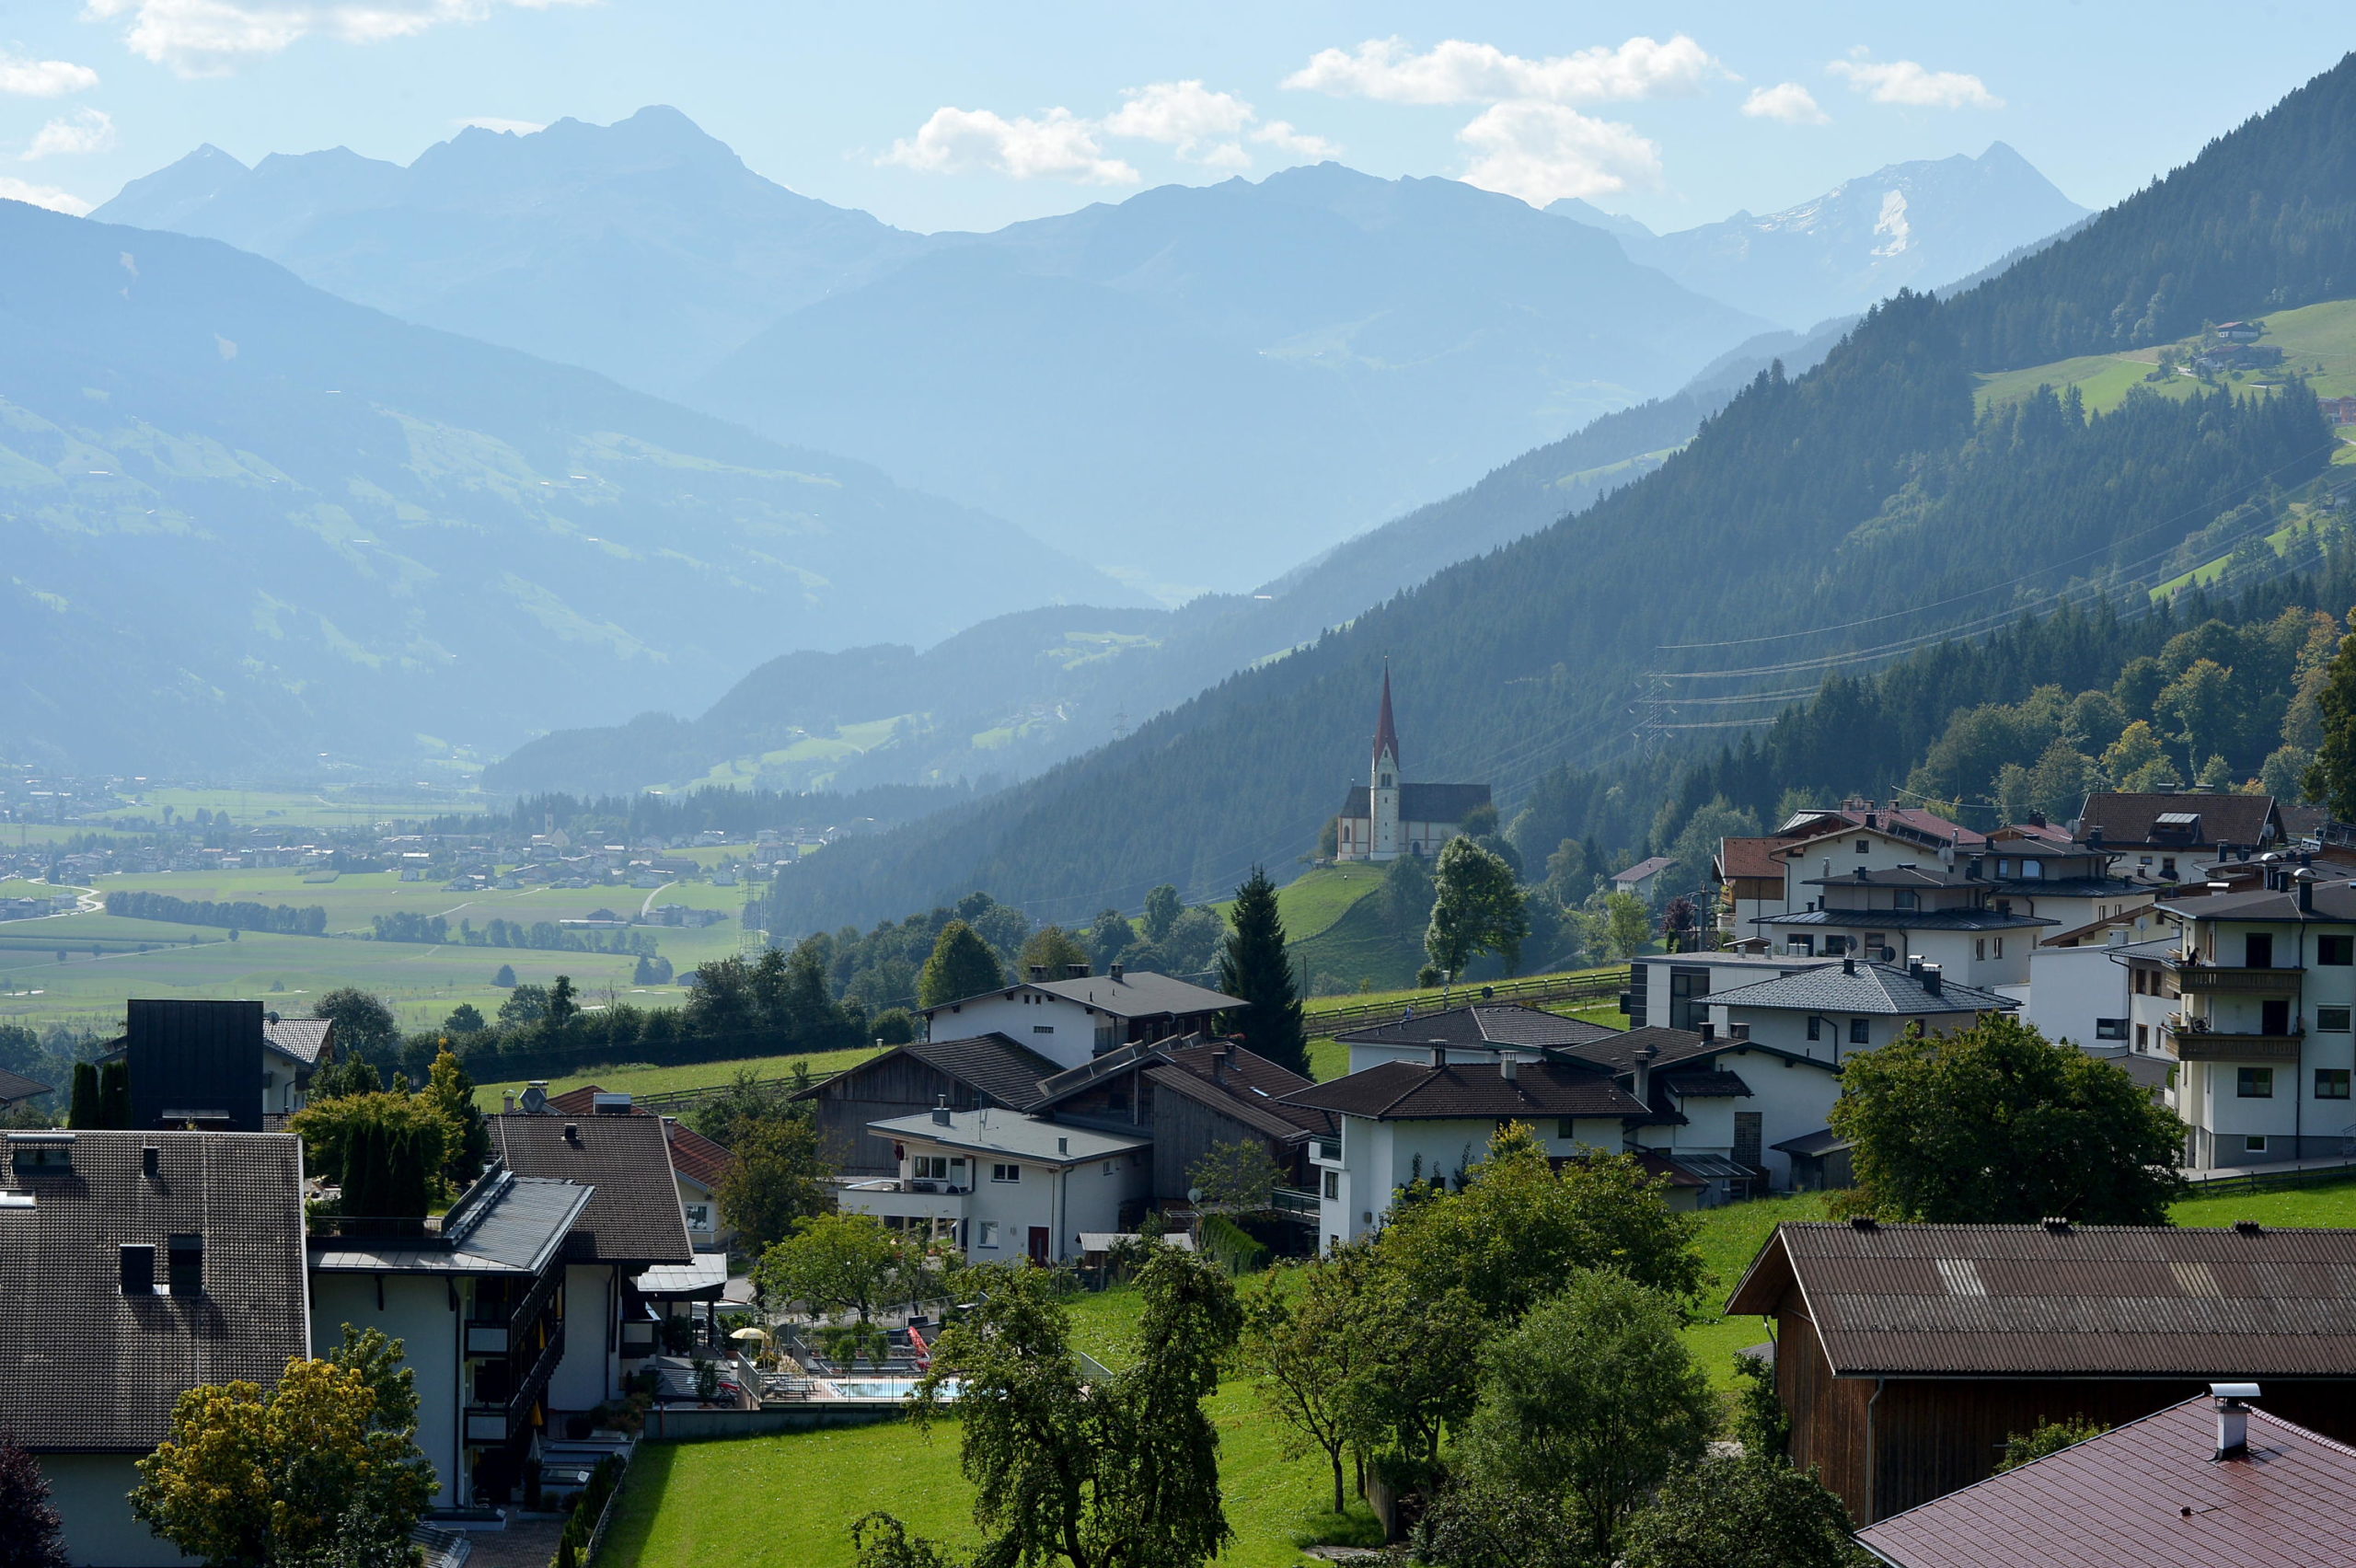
1385	818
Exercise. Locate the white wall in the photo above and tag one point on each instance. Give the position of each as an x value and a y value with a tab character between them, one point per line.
416	1312
88	1492
1792	1098
2071	988
1061	1031
588	1373
1380	1158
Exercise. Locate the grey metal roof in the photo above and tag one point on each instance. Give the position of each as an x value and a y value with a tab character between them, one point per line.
2070	887
1394	1091
1450	803
2027	1301
16	1086
1894	876
1498	1023
520	1230
1861	988
2335	904
1907	919
1138	995
1814	1145
708	1272
1709	1083
1009	1133
85	1366
301	1038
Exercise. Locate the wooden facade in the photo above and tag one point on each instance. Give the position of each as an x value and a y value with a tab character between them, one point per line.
1183	1127
892	1085
1884	1445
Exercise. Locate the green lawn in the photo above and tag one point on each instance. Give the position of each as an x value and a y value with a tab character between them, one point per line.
625	1079
2331	1204
1318	896
331	807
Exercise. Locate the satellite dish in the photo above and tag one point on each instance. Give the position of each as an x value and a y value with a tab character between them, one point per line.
534	1101
1194	1194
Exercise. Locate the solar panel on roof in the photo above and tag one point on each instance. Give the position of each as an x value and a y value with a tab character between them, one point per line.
2177	819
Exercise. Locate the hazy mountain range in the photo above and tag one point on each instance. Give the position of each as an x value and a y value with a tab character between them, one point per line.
1909	224
1192	388
250	523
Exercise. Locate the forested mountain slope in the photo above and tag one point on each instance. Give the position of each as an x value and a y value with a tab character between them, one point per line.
1856	506
296	526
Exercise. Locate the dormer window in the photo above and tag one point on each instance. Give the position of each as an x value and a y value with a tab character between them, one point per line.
50	1153
1904	899
2031	871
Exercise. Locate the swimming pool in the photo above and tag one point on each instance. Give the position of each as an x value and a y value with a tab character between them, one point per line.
883	1388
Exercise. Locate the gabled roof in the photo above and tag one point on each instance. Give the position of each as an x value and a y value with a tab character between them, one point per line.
634	1217
1911	823
1396	1091
1708	1083
2127	821
2334	901
1009	1133
1853	987
1246	1085
1749	858
1650	866
1491	1023
1137	995
1423	802
1621	1050
2027	1301
301	1038
694	1156
996	1068
2148	1495
16	1086
88	1367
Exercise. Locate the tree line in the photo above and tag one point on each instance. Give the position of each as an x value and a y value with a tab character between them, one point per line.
241	915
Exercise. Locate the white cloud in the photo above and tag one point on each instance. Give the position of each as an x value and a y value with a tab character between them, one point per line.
1183	115
1541	152
1787	101
83	131
1280	134
1905	82
506	127
207	37
1056	145
48	196
1460	72
44	78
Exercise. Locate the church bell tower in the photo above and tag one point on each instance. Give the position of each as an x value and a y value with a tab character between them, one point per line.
1383	784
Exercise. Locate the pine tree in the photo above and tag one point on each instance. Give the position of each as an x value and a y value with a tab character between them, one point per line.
114	1095
1254	966
962	965
30	1533
83	1110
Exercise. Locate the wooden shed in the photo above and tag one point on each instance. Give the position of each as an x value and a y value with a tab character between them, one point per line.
1906	1354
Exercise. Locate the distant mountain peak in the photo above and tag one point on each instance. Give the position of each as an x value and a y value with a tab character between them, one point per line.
1580	210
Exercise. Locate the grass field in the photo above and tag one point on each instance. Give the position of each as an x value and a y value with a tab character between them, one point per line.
330	807
625	1079
2317	340
421	982
1318	896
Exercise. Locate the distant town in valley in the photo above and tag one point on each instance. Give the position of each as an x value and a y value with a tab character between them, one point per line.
1227	806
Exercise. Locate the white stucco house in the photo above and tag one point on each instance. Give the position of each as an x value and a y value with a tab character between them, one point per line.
1006	1186
1834	1011
1079	1016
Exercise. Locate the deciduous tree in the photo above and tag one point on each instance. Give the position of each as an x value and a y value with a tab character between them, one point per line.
1742	1511
1478	909
364	1024
1307	1351
962	965
2332	777
1995	1124
777	1180
1238	1175
837	1264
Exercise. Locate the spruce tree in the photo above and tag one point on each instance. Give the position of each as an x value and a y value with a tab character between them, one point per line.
83	1110
114	1095
962	965
1254	967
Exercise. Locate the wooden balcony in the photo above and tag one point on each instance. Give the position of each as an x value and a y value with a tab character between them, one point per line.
2211	1045
2197	978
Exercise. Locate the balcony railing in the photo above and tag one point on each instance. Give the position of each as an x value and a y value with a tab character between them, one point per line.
1301	1206
497	1424
2193	978
2190	1042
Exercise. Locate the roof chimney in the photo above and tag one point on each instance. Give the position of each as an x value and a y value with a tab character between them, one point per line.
1219	1064
1075	972
1645	1056
2094	837
2305	877
1848	964
1509	1066
1063	1146
1038	974
1440	1053
2233	1418
1114	969
941	1110
507	1101
573	1132
1933	977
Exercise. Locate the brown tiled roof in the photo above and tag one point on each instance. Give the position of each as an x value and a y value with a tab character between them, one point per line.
1493	1024
696	1156
635	1216
1716	1083
2127	820
1394	1091
996	1068
300	1037
88	1367
16	1086
1620	1051
2150	1495
1749	858
1251	1086
2026	1301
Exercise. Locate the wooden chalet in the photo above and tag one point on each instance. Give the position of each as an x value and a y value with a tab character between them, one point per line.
987	1071
1191	1096
1906	1353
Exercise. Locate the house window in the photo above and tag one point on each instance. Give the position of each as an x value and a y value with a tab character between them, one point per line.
2331	1083
2167	867
2338	951
1006	1173
1861	1032
930	1167
2332	1021
2143	1037
1864	846
2031	871
2110	1028
1980	949
35	1152
1996	947
2004	868
698	1216
1042	1029
2254	1083
2255	1144
989	1234
1904	899
1110	1167
1815	1027
1334	1179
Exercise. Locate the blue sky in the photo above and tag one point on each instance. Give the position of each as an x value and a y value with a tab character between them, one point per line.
964	115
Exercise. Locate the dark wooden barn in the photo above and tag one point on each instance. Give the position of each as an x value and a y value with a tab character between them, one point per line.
987	1071
1906	1353
1191	1096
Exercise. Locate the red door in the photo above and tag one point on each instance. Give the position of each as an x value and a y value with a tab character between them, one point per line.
1039	1244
